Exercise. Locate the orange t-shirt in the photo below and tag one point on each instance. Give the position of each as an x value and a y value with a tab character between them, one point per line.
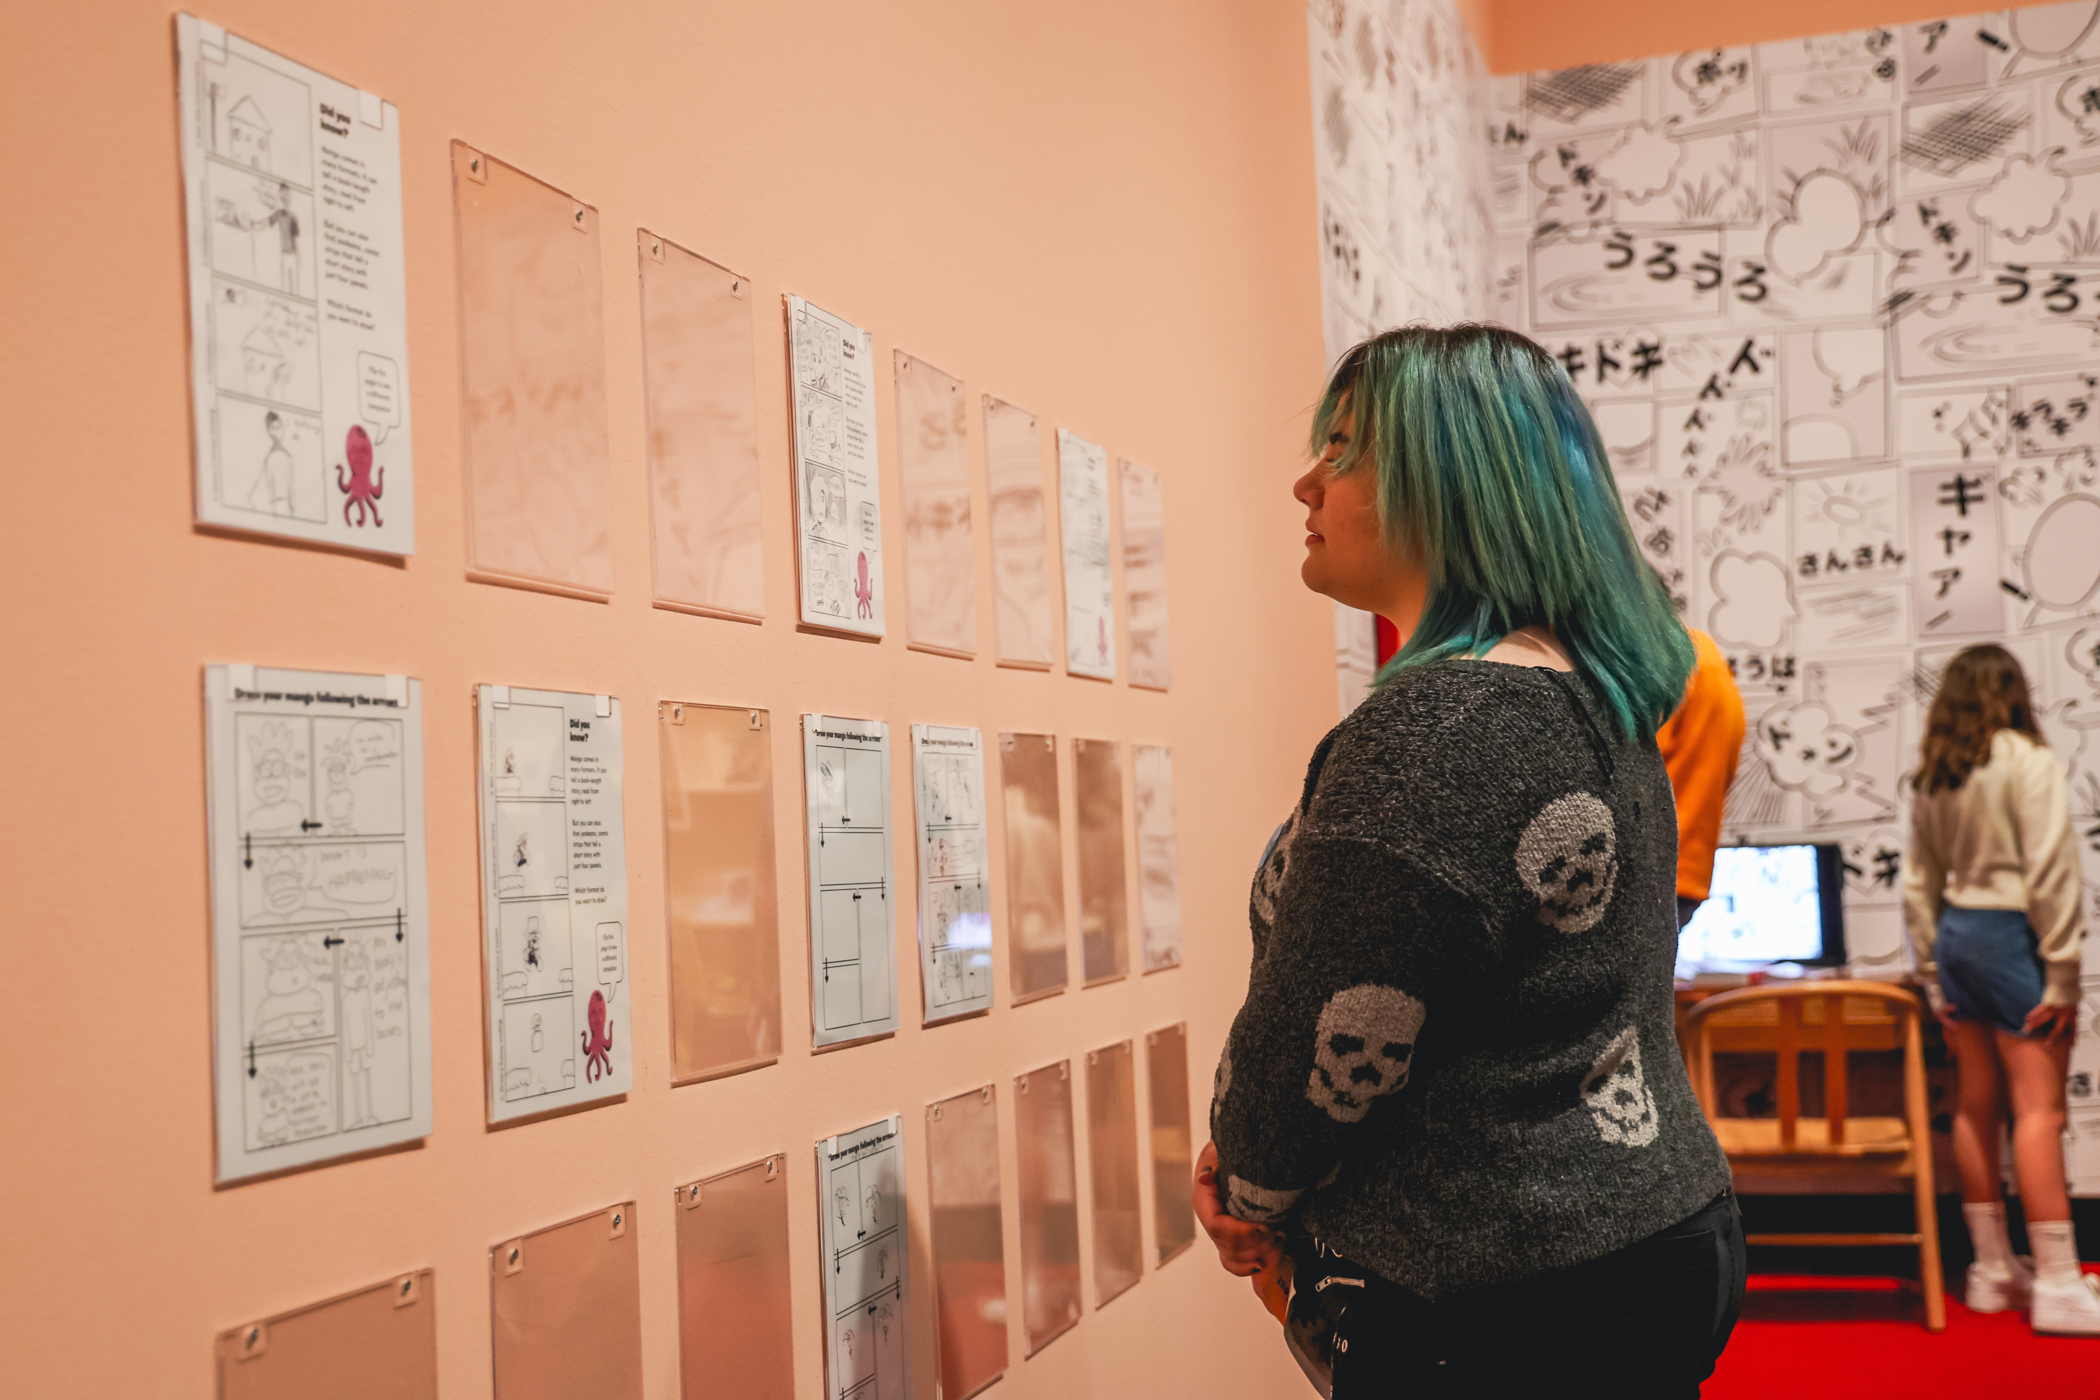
1700	745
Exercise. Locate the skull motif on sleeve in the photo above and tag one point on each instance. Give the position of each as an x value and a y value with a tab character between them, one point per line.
1361	1049
1617	1093
1568	857
1275	861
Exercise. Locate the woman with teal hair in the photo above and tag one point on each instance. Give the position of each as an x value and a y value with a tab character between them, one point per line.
1452	1109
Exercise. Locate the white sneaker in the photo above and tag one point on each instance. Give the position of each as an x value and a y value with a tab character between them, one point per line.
2067	1305
1986	1292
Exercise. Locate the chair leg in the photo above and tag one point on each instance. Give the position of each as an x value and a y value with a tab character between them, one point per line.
1924	1193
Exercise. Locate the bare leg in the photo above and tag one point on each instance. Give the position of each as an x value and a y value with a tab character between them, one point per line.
2034	1069
1980	1114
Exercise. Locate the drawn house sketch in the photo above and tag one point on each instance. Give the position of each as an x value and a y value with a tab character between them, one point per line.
1835	303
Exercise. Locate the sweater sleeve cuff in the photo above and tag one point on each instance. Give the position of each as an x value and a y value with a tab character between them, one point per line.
2062	989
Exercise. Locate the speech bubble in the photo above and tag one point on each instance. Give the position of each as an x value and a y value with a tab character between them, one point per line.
378	393
359	874
611	952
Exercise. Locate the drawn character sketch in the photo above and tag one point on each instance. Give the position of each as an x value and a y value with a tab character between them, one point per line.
272	765
539	1034
272	491
274	1125
840	1204
339	803
532	941
863	590
292	1008
363	488
597	1041
357	1034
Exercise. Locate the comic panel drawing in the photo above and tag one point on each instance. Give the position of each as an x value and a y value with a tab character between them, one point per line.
1847	528
261	229
1594	94
2051	36
539	1048
531	850
819	355
527	752
1616	276
1829	72
299	884
1955	585
378	1072
1837	742
1628	430
2071	114
269	460
534	950
824	505
1835	385
1657	514
1748	602
1955	424
1738	493
1851	618
276	797
289	1096
1716	366
820	427
1711	85
266	346
2036	212
1872	860
1944	54
824	583
1830	186
2030	317
288	987
359	784
257	119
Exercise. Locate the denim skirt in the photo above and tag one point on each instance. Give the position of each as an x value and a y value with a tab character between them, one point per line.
1988	966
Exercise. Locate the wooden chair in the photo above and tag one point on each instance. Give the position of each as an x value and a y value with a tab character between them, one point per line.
1792	1153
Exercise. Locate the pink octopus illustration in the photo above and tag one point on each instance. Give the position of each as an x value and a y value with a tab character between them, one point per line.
364	488
865	590
597	1043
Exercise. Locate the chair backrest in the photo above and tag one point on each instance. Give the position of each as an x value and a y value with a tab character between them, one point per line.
1834	1017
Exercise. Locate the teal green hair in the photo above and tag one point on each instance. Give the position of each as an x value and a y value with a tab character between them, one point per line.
1490	471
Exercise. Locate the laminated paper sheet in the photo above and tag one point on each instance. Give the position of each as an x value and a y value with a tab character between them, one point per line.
735	1306
1173	1156
1083	527
532	362
1145	575
553	900
866	1257
955	903
1013	456
1049	1203
838	476
933	468
969	1254
852	921
1035	866
565	1307
298	306
380	1340
1112	1156
319	917
721	900
1159	856
1104	902
700	388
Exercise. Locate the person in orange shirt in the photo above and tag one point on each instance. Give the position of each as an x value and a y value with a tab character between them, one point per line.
1700	744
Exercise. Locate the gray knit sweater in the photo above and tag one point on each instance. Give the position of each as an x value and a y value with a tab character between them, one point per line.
1457	1062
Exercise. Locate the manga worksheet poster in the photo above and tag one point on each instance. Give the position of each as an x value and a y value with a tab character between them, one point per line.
1159	857
1832	303
867	1287
1398	104
1145	576
955	907
553	900
852	923
838	478
298	303
319	922
1082	523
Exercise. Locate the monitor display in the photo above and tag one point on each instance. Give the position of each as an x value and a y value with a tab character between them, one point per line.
1768	904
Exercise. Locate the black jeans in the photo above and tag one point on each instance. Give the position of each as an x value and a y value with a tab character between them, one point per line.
1647	1321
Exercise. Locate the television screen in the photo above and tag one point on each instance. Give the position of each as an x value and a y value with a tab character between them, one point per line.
1768	904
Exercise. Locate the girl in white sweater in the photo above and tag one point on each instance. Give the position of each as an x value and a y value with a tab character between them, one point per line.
1992	898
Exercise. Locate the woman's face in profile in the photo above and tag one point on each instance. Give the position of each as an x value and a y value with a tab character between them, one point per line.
1346	556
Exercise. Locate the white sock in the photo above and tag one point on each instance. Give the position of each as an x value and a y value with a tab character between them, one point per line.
2055	1250
1987	1233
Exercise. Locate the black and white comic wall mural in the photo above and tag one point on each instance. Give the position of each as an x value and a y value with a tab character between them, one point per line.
1835	304
1399	99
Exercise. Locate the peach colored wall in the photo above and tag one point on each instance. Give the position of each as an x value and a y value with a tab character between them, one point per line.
1517	36
1103	211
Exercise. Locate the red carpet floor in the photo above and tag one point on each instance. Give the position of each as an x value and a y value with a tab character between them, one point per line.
1825	1338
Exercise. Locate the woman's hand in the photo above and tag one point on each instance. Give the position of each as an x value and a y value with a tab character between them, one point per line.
2051	1022
1243	1248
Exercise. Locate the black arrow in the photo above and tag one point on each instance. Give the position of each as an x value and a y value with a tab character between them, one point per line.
309	826
247	851
329	940
399	932
251	1059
